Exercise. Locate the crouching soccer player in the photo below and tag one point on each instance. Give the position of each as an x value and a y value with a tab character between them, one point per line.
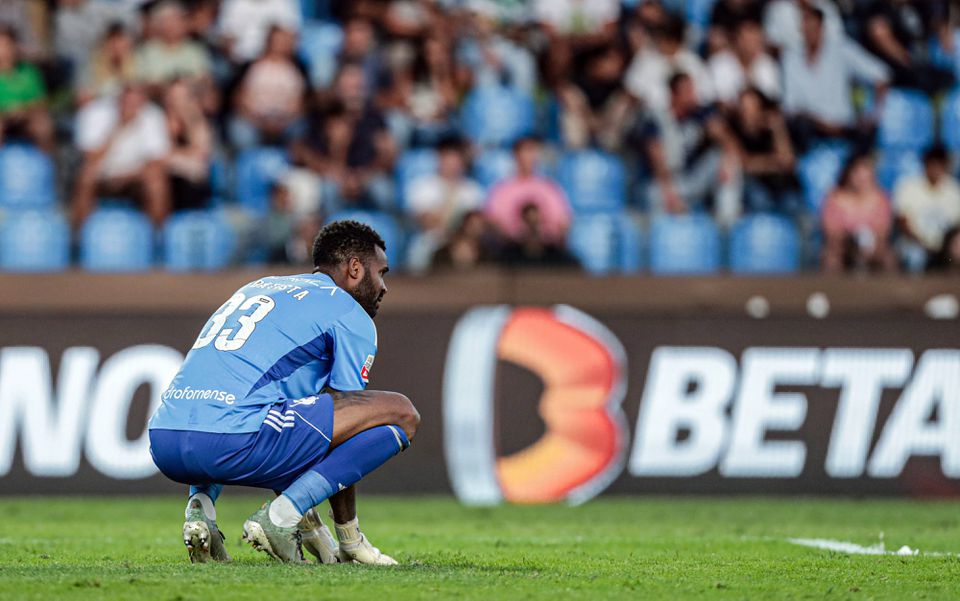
271	395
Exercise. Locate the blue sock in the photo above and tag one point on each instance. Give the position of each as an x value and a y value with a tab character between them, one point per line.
345	465
211	490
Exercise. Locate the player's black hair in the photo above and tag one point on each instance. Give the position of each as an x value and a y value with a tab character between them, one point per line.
339	241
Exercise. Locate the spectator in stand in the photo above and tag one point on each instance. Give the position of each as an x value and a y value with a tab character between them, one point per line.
947	260
692	155
125	143
894	30
269	102
110	67
766	155
289	229
347	142
360	47
79	26
192	138
725	19
783	22
927	205
508	199
574	26
649	74
424	94
857	221
437	202
170	53
818	79
579	23
651	15
533	247
246	25
410	19
23	111
594	105
472	245
745	63
488	57
27	19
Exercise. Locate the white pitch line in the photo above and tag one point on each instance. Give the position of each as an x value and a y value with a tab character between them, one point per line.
839	546
849	548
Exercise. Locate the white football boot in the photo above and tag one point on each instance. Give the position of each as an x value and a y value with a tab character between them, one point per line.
203	539
354	546
317	539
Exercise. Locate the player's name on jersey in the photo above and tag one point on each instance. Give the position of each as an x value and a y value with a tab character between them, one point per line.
297	291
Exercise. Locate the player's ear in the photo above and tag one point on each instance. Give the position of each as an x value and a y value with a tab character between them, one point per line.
355	269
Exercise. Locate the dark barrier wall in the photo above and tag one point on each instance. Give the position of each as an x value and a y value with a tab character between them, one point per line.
535	387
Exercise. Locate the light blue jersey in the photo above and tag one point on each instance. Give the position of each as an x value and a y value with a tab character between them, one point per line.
277	339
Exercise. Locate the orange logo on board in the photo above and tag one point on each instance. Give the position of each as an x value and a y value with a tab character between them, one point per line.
582	367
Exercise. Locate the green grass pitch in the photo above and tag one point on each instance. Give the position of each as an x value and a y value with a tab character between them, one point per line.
617	547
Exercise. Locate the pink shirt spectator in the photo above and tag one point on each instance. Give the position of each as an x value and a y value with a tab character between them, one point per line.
845	213
508	198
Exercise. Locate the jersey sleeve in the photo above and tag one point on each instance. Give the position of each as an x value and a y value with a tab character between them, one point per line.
354	349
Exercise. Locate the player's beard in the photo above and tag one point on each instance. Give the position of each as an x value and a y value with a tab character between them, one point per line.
367	295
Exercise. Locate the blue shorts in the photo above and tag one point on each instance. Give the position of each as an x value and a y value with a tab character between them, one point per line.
294	437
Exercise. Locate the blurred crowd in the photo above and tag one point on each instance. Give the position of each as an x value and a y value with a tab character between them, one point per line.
709	105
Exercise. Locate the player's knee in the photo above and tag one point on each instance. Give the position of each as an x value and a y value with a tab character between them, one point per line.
407	416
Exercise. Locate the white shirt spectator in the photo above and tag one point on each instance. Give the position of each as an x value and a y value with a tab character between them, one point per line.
821	88
142	140
930	210
649	74
781	23
433	194
576	16
730	78
247	23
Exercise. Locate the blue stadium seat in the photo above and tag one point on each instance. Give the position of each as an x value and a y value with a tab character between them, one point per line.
386	226
493	165
819	170
894	164
764	244
116	239
684	245
698	12
906	121
34	240
308	9
257	169
497	115
26	177
198	241
951	121
606	243
320	43
220	177
412	165
593	180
